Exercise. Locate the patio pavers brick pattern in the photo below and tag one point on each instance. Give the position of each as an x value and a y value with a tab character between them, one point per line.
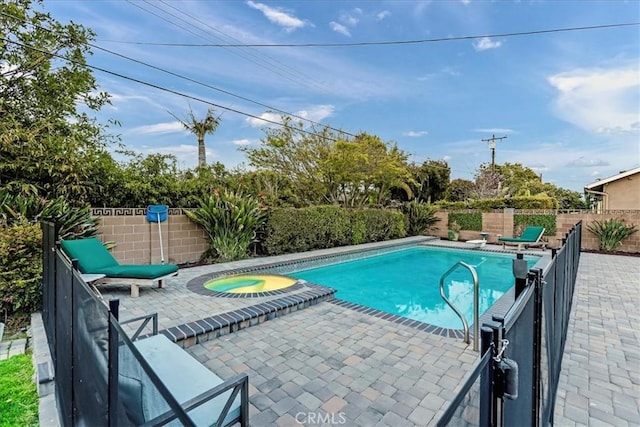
600	378
330	361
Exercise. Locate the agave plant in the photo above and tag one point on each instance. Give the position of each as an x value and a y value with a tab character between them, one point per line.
611	232
231	221
73	222
420	217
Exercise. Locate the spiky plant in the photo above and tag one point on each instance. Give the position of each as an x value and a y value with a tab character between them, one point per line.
231	221
611	233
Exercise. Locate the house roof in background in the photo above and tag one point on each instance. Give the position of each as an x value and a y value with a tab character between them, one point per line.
621	175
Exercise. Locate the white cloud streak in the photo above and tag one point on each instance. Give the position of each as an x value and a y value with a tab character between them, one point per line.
157	128
315	113
486	43
339	28
279	17
415	133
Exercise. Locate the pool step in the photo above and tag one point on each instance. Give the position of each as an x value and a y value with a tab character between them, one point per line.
209	328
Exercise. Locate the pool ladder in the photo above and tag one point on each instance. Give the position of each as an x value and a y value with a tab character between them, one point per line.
476	315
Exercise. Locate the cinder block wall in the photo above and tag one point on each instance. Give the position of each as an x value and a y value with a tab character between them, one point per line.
137	241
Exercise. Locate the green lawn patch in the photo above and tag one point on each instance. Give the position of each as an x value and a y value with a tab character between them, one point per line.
18	396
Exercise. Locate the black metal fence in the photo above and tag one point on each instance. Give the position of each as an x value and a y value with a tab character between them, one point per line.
101	378
515	382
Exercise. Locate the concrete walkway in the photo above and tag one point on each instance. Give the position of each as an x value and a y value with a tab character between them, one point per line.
600	378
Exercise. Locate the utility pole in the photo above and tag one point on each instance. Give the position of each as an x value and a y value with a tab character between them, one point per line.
492	145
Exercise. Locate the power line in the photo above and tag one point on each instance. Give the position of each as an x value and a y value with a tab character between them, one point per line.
269	62
189	79
155	86
385	43
201	84
269	67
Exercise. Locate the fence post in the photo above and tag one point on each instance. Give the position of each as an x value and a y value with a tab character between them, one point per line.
538	282
520	269
113	368
497	410
486	379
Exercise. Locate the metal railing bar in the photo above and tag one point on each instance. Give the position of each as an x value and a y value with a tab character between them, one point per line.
476	313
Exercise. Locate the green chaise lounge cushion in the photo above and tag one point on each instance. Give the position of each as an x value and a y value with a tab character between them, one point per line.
530	234
94	258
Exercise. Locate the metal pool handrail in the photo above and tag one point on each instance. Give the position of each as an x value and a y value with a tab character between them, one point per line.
476	314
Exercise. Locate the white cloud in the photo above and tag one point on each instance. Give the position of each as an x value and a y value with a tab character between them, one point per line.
339	28
382	15
265	119
486	43
158	128
243	141
465	1
416	133
494	130
351	19
603	101
585	163
279	17
315	113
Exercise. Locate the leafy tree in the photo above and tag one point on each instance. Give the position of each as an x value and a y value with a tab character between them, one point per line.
327	167
460	190
300	155
47	139
431	180
200	128
364	170
488	184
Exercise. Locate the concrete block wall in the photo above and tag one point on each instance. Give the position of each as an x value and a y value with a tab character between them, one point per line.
188	240
137	241
589	240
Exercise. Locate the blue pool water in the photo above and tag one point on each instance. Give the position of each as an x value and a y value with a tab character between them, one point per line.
406	282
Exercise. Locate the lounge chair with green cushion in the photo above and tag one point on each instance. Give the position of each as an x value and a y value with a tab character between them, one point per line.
530	237
94	259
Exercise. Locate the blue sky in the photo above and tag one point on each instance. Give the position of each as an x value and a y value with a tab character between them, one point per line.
568	102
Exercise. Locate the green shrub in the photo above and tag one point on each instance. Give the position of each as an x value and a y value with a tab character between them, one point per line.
532	202
486	205
611	233
73	222
20	268
231	221
548	221
466	220
290	230
420	217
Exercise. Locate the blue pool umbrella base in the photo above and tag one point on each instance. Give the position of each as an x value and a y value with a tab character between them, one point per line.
158	213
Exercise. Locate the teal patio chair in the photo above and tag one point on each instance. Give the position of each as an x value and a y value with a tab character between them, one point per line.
530	237
96	263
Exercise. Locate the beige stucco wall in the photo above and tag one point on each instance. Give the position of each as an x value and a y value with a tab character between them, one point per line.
623	193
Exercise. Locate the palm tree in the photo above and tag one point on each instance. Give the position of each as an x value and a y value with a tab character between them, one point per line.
200	128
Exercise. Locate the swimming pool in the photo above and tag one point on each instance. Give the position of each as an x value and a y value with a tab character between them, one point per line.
406	282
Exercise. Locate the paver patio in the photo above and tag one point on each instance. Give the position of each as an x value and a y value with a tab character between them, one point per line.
328	364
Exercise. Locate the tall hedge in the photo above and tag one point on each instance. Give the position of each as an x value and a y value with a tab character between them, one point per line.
290	230
20	268
467	220
523	202
548	221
